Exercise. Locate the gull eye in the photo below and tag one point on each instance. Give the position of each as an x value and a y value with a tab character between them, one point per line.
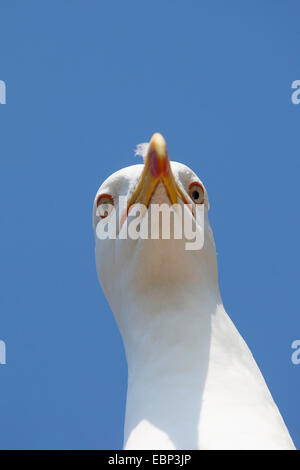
105	205
196	192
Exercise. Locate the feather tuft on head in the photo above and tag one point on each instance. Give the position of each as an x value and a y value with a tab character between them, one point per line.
141	150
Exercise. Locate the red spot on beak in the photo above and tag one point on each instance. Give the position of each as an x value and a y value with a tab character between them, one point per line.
159	166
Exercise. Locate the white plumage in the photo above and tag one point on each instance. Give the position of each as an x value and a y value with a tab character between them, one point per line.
192	381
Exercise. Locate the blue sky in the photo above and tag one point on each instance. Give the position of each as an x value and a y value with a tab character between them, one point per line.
86	81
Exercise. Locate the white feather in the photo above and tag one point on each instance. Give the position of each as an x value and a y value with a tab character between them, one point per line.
141	149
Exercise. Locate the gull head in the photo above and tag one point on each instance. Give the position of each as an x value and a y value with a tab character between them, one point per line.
152	232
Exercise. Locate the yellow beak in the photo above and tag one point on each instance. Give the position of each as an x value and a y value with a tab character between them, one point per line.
157	168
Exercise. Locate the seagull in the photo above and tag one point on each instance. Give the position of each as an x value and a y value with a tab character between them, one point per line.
192	380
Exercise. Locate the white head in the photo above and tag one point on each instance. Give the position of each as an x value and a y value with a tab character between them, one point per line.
139	270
